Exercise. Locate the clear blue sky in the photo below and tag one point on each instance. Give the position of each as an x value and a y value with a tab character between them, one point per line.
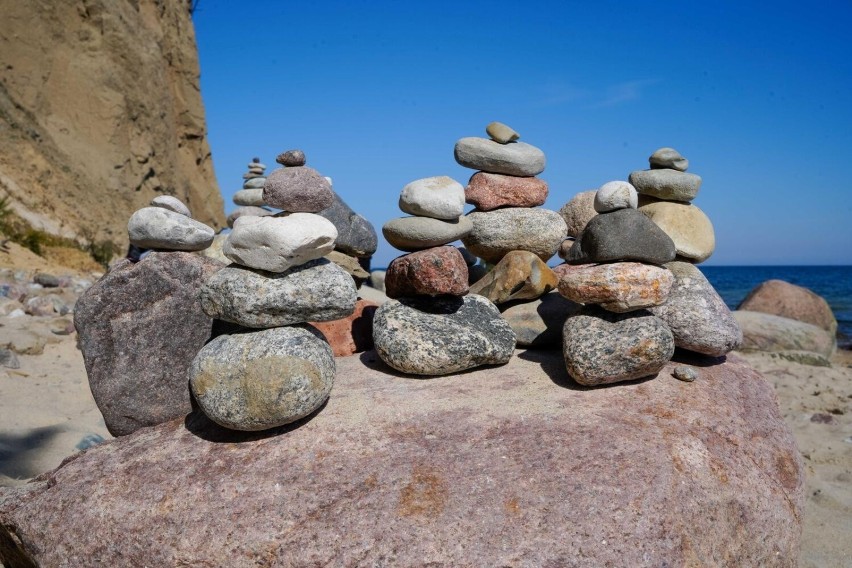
758	98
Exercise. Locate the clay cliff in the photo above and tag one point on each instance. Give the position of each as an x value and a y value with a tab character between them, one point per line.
101	111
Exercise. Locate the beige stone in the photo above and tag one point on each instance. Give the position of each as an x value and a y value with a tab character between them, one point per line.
687	225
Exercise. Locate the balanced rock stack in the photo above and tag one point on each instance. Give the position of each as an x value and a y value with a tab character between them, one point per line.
280	369
506	195
167	225
250	197
432	327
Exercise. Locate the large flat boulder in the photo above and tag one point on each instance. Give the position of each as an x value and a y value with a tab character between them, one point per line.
767	332
508	466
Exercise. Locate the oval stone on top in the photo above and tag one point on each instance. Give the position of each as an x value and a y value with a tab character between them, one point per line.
516	159
297	189
439	197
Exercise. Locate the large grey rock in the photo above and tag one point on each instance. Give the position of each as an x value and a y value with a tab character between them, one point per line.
666	184
767	332
262	379
495	233
697	316
515	159
499	466
315	291
297	189
439	197
160	228
439	336
355	235
139	328
417	233
538	323
621	235
578	212
602	347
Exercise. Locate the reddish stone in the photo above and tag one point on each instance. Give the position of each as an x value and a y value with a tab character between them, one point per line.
618	286
489	191
431	272
787	300
352	334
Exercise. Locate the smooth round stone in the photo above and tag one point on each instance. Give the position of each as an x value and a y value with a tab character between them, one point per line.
615	195
602	347
431	272
685	374
291	158
520	275
247	212
163	229
355	234
625	234
617	287
255	183
668	158
517	159
670	185
249	197
260	380
501	133
538	323
417	233
578	212
495	233
687	225
275	244
439	197
297	189
440	336
172	204
487	191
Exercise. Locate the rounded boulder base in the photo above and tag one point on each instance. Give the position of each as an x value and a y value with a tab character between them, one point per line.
687	225
163	229
520	275
431	272
440	336
601	347
411	234
516	159
439	197
670	185
496	233
578	212
262	379
297	189
487	191
616	287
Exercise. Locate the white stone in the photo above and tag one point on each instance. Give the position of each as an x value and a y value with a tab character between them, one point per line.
163	229
439	197
616	195
249	197
172	204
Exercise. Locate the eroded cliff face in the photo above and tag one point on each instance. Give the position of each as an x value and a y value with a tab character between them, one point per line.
100	112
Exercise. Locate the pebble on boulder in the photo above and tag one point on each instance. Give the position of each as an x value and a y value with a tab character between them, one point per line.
430	272
615	195
501	133
487	191
670	185
621	235
291	158
172	204
668	158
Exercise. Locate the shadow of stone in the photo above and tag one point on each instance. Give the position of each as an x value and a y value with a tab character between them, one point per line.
696	359
197	423
371	360
17	452
553	365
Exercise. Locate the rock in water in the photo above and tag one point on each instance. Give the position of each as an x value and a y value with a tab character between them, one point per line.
260	380
431	272
495	467
621	235
315	291
787	300
538	324
139	328
687	225
766	332
495	233
699	319
160	228
520	275
516	159
439	336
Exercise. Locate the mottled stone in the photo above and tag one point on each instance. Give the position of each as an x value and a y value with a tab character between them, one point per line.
538	323
615	195
439	197
172	204
352	334
787	300
297	189
487	191
602	347
622	235
291	158
670	185
430	272
501	133
699	319
159	228
684	373
517	159
262	379
255	183
249	197
495	233
687	226
439	336
767	332
617	287
668	158
139	327
520	275
315	291
578	212
355	234
247	212
417	233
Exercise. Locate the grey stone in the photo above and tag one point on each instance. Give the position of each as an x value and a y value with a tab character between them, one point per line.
159	228
670	185
9	359
495	233
46	280
578	212
298	189
699	319
668	158
263	379
439	336
255	183
768	332
684	373
417	233
439	197
501	133
538	324
620	235
516	159
615	195
377	280
291	158
355	234
316	291
247	212
249	197
602	347
172	204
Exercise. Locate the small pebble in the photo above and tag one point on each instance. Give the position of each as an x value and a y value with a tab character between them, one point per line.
687	374
501	133
89	441
291	158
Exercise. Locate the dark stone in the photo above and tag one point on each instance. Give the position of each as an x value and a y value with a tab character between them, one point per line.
46	280
625	234
9	359
291	158
355	235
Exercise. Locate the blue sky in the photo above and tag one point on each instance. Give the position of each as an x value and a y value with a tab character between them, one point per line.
377	93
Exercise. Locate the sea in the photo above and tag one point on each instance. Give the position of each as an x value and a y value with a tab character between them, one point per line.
834	283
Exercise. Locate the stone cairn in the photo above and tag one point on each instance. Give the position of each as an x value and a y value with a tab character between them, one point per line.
273	368
250	197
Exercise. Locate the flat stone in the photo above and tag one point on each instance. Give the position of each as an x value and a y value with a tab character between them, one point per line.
9	359
373	295
159	228
276	244
297	189
355	234
578	212
139	327
501	133
670	185
248	212
615	195
602	347
767	332
516	159
172	204
687	225
439	336
520	275
787	300
262	379
487	191
668	158
291	158
318	290
255	183
350	264
431	272
617	287
538	323
699	319
249	197
495	233
417	233
439	197
352	334
622	235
